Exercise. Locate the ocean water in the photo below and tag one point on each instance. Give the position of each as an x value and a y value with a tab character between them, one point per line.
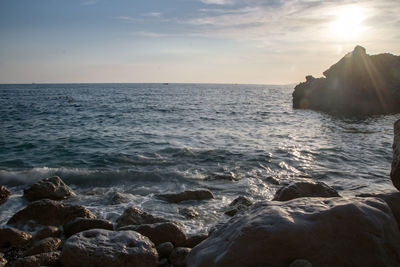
145	139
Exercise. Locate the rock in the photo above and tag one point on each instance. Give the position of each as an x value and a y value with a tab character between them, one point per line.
119	198
189	213
160	232
98	247
51	188
11	237
44	259
272	180
47	231
49	244
238	204
3	262
194	240
4	194
326	232
395	172
163	263
49	212
359	84
301	263
135	216
178	256
165	249
304	189
83	224
188	195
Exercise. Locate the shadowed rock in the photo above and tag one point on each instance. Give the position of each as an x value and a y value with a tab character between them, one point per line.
165	249
203	194
238	204
326	232
194	240
49	244
47	231
135	216
49	212
51	188
99	247
11	237
43	259
178	256
304	189
359	84
395	172
83	224
4	194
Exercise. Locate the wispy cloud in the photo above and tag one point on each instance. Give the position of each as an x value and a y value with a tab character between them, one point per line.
89	2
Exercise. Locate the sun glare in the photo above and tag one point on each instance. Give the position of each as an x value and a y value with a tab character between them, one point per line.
349	23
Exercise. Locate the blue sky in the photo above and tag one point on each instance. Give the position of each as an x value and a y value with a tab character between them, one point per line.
214	41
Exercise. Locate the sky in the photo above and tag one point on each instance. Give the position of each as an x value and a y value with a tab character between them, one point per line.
188	41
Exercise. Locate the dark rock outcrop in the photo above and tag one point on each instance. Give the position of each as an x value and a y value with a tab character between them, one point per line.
395	172
51	188
46	245
203	194
47	231
49	212
83	224
135	216
238	204
43	259
4	194
194	240
160	232
11	237
359	84
178	256
325	232
304	189
165	249
99	247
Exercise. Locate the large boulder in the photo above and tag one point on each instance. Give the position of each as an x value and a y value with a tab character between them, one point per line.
11	237
202	194
304	189
4	194
136	216
395	172
83	224
100	247
160	232
325	232
49	212
51	188
358	84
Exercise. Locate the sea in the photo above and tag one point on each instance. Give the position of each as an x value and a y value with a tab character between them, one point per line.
142	140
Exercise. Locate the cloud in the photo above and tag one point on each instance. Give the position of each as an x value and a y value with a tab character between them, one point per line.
217	2
89	2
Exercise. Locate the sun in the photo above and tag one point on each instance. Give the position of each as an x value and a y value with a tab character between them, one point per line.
349	23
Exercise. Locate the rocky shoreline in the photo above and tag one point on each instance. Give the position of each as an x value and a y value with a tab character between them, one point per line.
306	224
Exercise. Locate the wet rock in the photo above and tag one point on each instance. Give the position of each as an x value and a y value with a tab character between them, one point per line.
135	216
119	198
395	172
165	249
49	244
49	212
47	231
160	232
3	262
189	213
301	263
194	240
272	180
238	204
44	259
4	194
100	247
164	263
304	189
51	188
178	256
11	237
188	195
83	224
359	84
326	232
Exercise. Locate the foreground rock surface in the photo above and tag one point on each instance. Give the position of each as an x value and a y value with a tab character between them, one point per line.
11	237
4	194
395	172
202	194
51	188
325	232
304	189
358	84
43	259
49	212
83	224
136	216
99	247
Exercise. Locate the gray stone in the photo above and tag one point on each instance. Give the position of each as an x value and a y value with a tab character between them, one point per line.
189	213
98	247
83	224
395	172
135	216
326	232
178	256
51	188
49	212
194	240
11	237
49	244
4	194
203	194
160	232
165	249
43	259
304	189
119	198
238	204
